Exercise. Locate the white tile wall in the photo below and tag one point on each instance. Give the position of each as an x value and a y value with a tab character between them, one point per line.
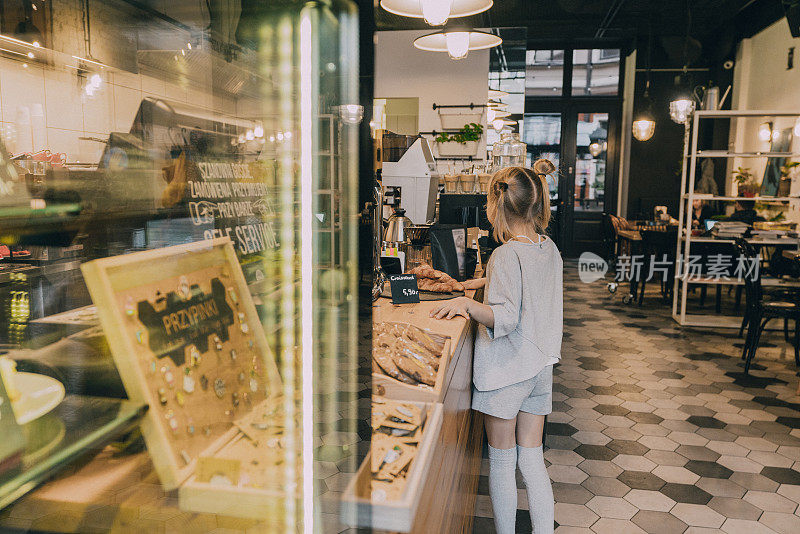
64	109
42	108
126	104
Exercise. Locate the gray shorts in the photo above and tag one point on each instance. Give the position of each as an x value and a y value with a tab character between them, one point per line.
534	395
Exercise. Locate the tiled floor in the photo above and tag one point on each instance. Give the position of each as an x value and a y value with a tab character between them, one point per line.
656	429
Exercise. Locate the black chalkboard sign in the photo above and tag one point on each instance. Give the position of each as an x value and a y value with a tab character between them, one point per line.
404	288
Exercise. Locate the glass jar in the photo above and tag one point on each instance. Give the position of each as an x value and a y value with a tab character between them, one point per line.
509	152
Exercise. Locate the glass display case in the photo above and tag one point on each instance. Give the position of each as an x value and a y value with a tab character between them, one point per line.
178	239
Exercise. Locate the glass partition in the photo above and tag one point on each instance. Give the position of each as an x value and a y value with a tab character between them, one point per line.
178	231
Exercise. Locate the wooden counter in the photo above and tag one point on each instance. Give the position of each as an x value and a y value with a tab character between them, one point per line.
449	489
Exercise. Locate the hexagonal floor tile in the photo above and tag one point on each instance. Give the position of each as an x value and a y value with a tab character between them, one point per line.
596	452
605	486
770	502
615	526
571	493
611	507
735	508
721	488
782	475
574	515
658	522
695	452
641	480
708	469
685	493
634	463
781	523
697	515
679	475
650	500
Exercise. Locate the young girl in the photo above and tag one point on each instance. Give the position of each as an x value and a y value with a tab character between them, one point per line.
518	342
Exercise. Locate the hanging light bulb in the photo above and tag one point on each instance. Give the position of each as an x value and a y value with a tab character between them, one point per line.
435	12
498	124
457	44
595	149
681	109
643	129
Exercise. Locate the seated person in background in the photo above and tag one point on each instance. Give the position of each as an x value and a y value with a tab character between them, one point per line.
700	212
745	212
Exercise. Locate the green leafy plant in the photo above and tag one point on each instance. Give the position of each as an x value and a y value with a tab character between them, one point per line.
745	181
470	132
743	176
786	170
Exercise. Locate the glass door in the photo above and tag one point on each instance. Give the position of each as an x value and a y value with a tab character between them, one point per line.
588	177
572	105
581	144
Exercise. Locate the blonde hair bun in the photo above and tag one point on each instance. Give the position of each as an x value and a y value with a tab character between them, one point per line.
543	166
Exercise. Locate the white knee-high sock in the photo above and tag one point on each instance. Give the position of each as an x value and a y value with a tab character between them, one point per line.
540	491
503	488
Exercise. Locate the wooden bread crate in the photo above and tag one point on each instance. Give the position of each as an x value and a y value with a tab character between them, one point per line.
187	341
391	388
394	389
358	507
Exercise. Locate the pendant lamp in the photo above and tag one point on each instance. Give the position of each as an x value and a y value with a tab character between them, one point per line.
457	42
436	12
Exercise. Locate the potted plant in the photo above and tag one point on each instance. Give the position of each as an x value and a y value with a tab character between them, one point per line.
745	182
464	142
788	173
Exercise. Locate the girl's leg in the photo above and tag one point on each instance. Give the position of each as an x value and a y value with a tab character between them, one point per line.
534	472
502	472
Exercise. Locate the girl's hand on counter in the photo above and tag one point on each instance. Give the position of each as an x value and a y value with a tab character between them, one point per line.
451	308
466	307
475	283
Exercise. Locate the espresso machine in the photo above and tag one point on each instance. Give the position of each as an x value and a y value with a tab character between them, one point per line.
413	177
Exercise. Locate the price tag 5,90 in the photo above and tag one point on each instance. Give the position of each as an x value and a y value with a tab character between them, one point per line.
404	288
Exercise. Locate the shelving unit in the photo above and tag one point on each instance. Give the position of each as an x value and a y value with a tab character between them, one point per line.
685	238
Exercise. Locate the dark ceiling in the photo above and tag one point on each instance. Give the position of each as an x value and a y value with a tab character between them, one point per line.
713	25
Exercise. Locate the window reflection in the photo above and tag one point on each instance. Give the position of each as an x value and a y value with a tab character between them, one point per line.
590	164
595	72
542	133
545	72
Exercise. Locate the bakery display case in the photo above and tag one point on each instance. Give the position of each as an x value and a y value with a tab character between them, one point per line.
184	335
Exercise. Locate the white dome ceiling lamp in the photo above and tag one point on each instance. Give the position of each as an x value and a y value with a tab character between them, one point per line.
436	12
492	114
494	104
457	42
499	124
